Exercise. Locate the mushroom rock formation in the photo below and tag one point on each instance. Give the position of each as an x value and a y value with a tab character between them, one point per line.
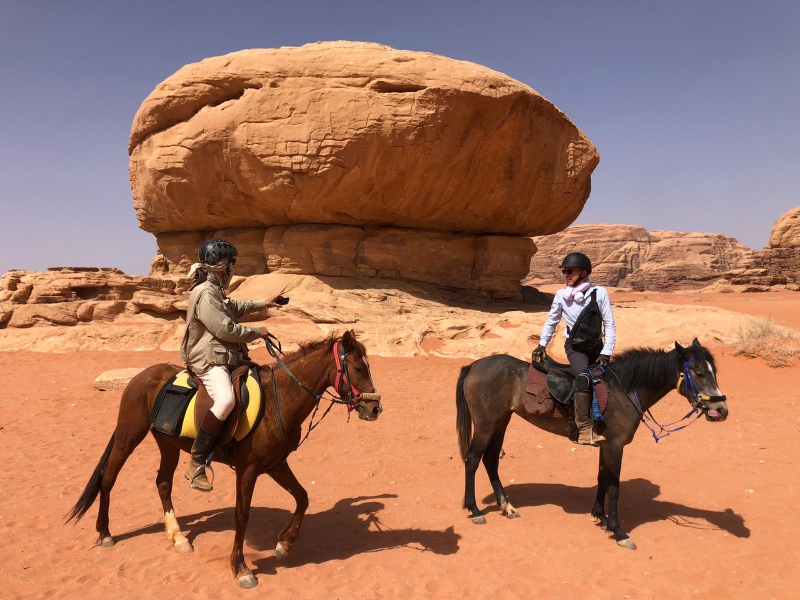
373	147
631	256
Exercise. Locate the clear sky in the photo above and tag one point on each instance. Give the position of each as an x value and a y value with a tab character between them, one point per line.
694	106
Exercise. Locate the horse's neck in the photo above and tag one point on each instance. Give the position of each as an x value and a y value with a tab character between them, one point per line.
315	371
650	395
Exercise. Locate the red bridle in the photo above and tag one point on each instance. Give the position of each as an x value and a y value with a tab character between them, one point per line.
343	376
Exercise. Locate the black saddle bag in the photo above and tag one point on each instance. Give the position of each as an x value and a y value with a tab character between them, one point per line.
170	406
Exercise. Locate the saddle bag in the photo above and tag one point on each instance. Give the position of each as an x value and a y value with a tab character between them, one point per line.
171	404
587	333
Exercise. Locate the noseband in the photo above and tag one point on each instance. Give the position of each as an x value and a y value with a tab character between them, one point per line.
695	398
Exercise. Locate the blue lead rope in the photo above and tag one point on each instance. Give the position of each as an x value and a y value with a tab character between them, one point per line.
663	428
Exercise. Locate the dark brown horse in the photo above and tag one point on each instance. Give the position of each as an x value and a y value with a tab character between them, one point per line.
490	390
264	451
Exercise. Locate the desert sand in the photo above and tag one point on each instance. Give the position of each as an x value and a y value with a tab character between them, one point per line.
710	508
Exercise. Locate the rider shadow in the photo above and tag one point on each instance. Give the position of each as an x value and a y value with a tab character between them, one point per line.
633	513
350	528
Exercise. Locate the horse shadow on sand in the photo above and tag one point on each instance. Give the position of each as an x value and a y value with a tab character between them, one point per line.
351	527
638	505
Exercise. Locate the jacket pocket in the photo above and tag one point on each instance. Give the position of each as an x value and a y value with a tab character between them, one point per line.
219	355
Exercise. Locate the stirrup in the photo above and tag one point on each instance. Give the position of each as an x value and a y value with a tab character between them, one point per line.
201	469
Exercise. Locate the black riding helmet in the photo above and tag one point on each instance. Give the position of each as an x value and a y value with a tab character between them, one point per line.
577	259
213	251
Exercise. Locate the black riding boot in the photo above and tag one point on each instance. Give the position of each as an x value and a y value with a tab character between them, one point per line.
201	450
583	417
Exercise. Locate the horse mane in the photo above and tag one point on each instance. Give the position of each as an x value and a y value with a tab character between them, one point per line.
326	343
654	366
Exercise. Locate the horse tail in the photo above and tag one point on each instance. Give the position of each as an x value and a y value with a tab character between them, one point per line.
463	418
89	494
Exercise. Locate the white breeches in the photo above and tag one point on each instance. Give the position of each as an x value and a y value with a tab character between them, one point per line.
218	383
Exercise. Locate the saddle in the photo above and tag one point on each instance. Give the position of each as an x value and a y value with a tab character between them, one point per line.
183	401
549	387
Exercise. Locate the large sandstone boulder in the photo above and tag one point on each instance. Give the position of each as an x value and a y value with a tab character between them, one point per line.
357	135
778	263
630	256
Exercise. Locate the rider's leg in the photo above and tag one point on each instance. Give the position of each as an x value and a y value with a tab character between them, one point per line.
217	382
582	397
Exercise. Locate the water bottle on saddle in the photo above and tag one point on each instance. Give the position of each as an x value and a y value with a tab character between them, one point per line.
591	335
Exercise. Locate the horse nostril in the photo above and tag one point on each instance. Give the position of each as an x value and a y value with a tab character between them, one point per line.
376	410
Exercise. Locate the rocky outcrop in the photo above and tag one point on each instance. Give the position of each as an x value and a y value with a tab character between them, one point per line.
778	264
630	256
358	135
71	295
488	265
392	317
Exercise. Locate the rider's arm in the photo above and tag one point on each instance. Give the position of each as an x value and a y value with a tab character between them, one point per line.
552	321
609	328
211	313
244	307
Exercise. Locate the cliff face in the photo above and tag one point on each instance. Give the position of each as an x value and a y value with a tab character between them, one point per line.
630	256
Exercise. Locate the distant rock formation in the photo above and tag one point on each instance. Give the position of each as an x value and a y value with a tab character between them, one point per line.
630	256
360	158
73	295
778	264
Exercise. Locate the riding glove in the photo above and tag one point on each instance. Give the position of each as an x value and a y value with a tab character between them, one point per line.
539	354
603	360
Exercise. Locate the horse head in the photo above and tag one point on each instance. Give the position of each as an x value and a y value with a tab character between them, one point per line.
697	381
354	379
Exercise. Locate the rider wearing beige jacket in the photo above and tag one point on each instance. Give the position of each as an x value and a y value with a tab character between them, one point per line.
214	344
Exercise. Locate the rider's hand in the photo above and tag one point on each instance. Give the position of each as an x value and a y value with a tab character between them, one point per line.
603	360
264	332
271	301
539	354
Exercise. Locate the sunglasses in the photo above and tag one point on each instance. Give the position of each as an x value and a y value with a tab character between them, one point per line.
569	271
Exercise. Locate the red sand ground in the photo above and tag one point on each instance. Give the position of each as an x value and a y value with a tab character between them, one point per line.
713	509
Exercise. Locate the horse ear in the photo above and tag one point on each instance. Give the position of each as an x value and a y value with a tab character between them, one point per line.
681	350
347	341
695	343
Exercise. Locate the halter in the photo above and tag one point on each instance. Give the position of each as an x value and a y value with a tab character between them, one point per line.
342	376
692	395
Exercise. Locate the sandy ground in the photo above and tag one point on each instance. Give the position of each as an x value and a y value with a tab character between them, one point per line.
712	509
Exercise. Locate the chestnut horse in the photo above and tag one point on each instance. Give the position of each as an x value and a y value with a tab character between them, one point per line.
306	374
490	390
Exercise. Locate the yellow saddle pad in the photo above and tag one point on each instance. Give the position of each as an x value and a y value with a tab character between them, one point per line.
180	388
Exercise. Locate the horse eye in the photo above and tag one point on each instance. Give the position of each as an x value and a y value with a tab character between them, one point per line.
358	368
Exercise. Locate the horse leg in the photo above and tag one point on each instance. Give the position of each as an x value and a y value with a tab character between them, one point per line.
477	447
245	484
599	510
491	460
284	477
613	466
170	455
125	442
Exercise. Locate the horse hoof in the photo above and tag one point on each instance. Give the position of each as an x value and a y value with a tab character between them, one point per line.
248	581
184	548
280	551
627	543
107	542
479	520
513	515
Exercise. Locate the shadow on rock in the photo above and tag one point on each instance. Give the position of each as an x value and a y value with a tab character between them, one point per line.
638	505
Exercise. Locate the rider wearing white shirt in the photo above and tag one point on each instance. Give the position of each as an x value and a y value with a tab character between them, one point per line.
568	304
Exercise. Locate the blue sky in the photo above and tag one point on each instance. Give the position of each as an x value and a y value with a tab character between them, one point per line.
694	106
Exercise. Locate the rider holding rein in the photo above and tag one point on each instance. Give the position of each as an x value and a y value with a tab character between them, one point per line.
569	303
214	344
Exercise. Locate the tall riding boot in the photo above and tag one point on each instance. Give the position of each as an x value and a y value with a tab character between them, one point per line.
583	417
201	450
